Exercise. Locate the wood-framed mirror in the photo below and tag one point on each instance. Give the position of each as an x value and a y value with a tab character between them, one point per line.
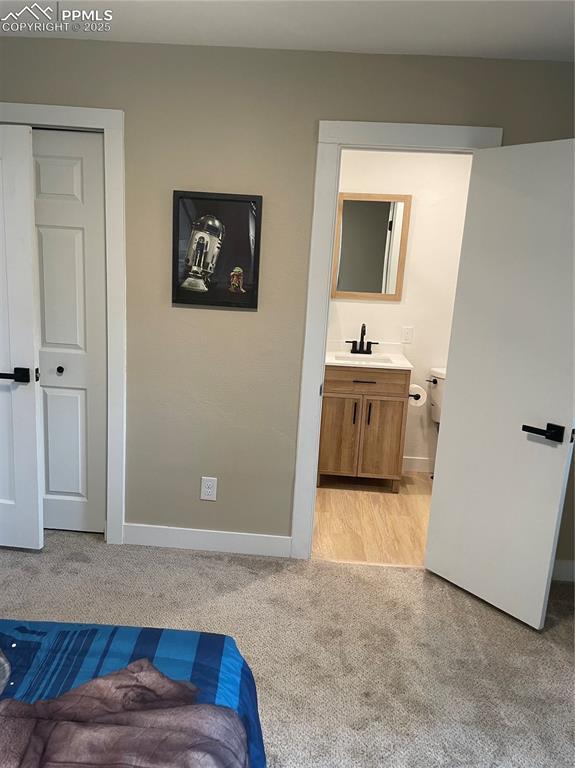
370	246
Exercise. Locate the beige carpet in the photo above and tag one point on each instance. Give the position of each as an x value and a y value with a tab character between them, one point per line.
357	666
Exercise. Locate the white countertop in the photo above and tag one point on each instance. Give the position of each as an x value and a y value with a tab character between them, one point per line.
385	355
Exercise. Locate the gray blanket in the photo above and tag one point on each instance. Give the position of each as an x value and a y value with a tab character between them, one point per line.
135	718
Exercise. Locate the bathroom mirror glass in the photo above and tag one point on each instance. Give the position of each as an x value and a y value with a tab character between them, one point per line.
370	246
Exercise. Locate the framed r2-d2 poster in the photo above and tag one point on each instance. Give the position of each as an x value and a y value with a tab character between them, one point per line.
216	249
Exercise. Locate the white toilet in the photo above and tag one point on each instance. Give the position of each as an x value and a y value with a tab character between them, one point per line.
436	386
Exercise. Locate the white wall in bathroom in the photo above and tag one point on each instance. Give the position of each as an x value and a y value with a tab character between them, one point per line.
439	185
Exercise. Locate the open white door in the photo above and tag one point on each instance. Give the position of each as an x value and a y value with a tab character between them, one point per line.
498	492
20	426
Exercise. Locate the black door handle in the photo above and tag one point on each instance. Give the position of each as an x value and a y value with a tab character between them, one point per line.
369	414
21	375
354	411
553	432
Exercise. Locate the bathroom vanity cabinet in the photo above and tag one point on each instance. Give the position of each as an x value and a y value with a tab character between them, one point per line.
363	422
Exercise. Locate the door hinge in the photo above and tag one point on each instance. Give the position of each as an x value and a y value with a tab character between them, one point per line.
572	436
321	390
37	374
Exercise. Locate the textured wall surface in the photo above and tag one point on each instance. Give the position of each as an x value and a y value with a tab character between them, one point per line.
212	391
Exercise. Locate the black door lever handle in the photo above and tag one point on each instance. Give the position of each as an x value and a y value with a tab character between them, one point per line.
20	375
553	432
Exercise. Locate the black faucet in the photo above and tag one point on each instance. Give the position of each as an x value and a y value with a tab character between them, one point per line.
362	335
362	347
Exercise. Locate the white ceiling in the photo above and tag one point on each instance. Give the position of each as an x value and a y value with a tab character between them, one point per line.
516	29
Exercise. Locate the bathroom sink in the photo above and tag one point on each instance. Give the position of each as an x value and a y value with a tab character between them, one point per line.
375	360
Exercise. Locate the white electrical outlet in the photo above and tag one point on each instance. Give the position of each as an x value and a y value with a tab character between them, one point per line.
407	334
209	489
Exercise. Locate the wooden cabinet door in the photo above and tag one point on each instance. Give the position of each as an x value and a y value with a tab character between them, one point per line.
383	428
340	431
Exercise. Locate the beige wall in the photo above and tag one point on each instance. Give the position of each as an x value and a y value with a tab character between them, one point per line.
566	544
212	391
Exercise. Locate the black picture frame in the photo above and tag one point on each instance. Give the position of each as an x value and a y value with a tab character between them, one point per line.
227	225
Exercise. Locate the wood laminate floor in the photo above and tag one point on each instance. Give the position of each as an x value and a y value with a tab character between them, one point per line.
361	521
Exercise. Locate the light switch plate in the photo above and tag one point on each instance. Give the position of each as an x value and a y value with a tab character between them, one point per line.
209	489
407	334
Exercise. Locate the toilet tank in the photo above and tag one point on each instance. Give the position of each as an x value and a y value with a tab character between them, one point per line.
436	387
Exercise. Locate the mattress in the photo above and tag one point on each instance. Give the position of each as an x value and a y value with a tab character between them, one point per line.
47	659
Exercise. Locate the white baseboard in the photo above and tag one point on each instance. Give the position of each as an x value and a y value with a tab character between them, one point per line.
211	541
564	570
248	543
418	464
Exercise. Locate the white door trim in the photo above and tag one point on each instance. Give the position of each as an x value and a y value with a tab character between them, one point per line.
111	123
333	137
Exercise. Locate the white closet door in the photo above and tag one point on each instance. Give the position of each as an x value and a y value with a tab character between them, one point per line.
20	411
498	492
71	252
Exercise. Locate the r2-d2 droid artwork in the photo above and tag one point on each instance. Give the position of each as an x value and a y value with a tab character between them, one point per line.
203	250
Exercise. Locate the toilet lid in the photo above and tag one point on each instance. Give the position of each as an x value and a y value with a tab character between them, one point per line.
438	373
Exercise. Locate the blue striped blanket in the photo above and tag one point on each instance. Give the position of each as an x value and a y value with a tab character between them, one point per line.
48	659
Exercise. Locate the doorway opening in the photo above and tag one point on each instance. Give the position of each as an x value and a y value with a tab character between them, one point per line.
504	450
398	232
